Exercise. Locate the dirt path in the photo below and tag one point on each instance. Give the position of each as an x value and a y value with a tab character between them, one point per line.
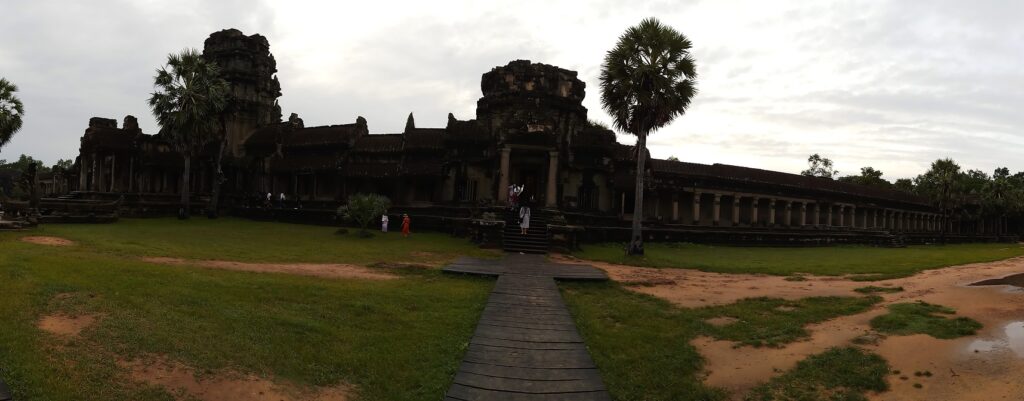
958	373
51	241
178	378
305	269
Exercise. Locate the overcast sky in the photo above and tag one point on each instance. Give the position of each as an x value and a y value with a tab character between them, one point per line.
893	85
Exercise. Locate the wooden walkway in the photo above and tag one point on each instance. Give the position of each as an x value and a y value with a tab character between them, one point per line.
526	346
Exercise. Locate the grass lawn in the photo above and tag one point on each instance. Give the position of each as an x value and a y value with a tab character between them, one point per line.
925	318
253	241
873	262
396	339
642	344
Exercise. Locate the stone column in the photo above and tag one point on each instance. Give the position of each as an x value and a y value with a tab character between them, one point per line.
735	210
788	215
696	208
717	209
817	213
83	173
753	210
95	173
113	171
842	215
853	216
874	219
675	209
622	204
771	212
828	222
803	214
131	174
551	198
503	175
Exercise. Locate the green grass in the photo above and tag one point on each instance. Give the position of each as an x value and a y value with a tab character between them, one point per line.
394	339
871	289
873	263
642	344
253	241
839	374
775	322
924	318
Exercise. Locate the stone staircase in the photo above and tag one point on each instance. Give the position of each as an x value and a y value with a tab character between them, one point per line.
896	241
536	239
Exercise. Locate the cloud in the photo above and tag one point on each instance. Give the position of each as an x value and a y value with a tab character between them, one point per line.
893	85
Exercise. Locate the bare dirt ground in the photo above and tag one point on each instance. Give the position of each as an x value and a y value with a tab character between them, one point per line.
305	269
994	372
180	379
51	241
65	325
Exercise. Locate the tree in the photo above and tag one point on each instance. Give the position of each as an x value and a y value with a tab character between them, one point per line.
364	208
647	80
818	166
188	100
942	184
868	176
904	184
11	111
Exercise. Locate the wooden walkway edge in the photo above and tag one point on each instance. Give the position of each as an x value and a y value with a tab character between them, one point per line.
526	346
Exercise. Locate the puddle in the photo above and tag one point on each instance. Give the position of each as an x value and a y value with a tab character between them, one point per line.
1015	337
1014	341
1016	280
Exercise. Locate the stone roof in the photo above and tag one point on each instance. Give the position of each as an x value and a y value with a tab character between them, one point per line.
380	143
425	138
775	178
342	134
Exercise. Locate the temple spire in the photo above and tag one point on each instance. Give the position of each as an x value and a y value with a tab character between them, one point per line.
410	123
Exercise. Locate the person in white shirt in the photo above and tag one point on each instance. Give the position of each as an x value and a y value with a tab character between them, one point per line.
384	223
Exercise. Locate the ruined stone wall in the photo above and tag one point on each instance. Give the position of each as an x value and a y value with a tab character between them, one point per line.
247	64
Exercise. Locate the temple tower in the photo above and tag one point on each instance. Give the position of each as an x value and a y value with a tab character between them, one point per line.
531	111
247	64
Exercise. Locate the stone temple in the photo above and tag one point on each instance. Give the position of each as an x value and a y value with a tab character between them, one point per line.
530	128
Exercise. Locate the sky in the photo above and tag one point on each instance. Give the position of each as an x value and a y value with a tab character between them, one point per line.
889	84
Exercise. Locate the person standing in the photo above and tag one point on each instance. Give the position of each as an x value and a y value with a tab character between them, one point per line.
524	219
384	223
405	225
280	201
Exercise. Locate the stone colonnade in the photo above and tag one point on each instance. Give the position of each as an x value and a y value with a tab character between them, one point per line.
775	211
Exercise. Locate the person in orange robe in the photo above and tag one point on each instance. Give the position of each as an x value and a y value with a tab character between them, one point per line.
405	225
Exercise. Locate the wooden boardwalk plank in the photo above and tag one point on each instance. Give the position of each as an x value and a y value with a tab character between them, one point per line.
526	346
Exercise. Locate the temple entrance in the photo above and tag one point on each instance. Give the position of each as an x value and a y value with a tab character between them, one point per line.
529	169
530	179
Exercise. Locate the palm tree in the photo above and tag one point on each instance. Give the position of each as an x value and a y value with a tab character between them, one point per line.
647	80
11	111
187	102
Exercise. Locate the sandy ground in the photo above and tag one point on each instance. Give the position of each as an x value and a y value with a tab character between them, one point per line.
178	378
51	241
64	325
305	269
995	372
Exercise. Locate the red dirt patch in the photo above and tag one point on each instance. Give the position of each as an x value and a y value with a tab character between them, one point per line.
958	374
64	325
180	379
51	241
304	269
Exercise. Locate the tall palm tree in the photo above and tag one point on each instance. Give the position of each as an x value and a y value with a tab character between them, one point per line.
11	111
187	102
647	80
